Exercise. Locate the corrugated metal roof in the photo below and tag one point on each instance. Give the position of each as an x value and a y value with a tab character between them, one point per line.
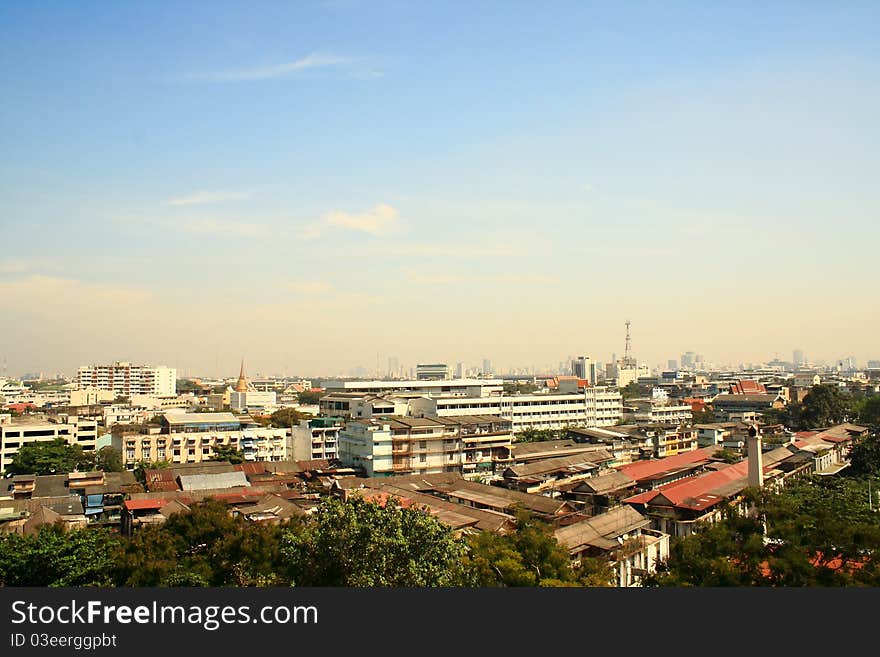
219	480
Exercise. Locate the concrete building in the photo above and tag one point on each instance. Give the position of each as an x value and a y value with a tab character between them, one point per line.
317	438
424	445
91	397
469	387
432	372
15	433
621	535
662	411
592	407
124	379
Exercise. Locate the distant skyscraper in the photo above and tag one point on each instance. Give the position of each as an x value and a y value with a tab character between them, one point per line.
688	359
459	370
797	357
487	367
393	366
582	366
672	364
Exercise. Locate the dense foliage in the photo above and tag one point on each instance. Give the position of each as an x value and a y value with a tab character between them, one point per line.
354	543
50	457
819	532
826	405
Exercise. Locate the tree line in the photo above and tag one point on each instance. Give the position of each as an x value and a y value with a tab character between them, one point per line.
353	543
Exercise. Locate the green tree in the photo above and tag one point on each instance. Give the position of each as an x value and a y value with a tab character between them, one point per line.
865	457
630	390
818	532
186	385
109	459
823	406
51	457
360	543
228	453
727	455
529	556
284	418
204	547
57	557
308	397
705	416
869	413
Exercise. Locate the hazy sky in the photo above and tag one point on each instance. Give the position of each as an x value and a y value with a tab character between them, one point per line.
312	184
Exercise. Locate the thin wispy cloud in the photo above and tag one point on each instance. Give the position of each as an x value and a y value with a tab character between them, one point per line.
209	197
380	219
514	278
310	62
449	250
221	227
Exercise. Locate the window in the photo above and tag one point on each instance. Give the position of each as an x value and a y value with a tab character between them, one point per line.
423	458
423	444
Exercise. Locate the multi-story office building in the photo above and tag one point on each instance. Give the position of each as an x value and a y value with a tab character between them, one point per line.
16	433
425	445
125	379
472	387
592	406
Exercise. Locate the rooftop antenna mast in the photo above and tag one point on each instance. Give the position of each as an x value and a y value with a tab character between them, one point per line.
627	354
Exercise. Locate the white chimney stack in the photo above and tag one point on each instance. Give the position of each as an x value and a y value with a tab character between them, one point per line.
756	459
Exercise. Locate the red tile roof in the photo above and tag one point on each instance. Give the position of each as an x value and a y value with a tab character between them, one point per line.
701	492
647	469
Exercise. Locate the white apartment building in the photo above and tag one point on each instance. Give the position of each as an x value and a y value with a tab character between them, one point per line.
15	434
125	379
426	445
252	400
366	444
659	412
257	444
90	396
591	408
316	439
469	387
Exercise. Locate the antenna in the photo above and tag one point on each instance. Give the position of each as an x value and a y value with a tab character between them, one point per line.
627	353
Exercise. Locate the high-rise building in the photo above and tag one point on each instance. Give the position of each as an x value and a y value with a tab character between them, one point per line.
393	367
126	379
487	367
459	370
688	359
672	365
797	357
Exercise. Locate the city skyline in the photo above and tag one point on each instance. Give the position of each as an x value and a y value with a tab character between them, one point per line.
312	184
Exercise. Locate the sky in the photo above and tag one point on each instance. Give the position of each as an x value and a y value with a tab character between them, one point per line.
317	186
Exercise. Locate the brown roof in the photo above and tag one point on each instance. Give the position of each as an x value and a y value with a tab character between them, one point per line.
572	464
601	531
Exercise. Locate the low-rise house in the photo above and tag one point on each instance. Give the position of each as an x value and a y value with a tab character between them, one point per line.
653	473
603	492
504	500
549	474
727	407
677	507
622	536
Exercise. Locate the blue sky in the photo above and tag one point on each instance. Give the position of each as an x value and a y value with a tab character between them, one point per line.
313	184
